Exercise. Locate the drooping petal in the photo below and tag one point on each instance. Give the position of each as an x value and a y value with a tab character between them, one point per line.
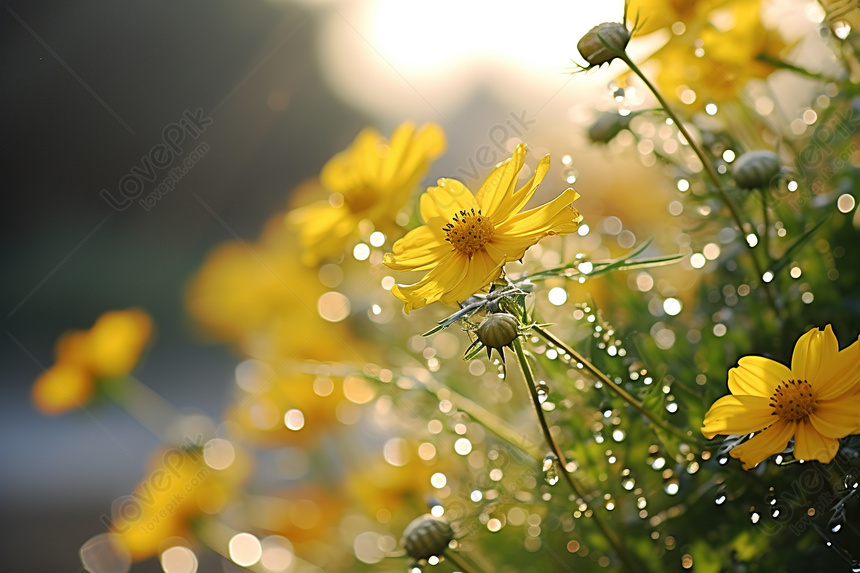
482	270
514	202
737	415
810	445
811	351
837	418
771	441
840	374
558	216
448	198
500	183
433	286
748	380
770	372
420	249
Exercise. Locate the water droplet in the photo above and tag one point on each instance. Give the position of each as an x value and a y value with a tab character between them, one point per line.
542	391
850	481
721	499
550	469
855	567
836	527
755	517
723	460
628	483
841	29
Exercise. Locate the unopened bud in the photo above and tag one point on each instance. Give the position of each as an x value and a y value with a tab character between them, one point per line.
603	43
426	536
756	169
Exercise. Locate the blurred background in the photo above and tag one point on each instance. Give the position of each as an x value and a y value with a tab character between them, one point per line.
273	89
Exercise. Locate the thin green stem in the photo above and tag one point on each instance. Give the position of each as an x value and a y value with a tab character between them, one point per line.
630	564
459	562
765	236
489	420
144	405
709	169
613	386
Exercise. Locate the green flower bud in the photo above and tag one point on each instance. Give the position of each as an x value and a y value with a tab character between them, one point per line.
603	43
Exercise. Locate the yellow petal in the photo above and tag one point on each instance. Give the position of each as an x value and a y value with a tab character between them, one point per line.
482	270
840	374
811	350
737	415
447	275
748	380
837	418
770	372
771	441
501	181
558	217
418	250
61	388
514	202
401	141
409	157
810	445
447	199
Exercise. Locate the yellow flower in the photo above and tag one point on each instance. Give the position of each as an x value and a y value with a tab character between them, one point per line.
281	408
110	349
259	297
181	487
658	14
717	52
371	180
468	238
817	401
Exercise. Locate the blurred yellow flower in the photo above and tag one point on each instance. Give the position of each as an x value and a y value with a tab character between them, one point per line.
281	409
180	487
816	401
260	298
467	239
716	51
372	180
110	349
655	15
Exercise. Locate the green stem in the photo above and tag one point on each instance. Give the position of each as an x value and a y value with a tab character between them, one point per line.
608	382
459	562
709	169
782	64
630	564
144	405
765	236
489	420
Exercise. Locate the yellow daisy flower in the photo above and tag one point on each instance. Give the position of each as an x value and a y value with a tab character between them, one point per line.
180	488
468	238
816	401
110	349
371	180
717	51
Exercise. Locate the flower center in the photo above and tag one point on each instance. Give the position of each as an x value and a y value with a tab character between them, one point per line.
793	401
469	231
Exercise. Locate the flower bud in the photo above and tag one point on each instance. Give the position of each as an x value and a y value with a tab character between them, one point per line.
603	43
426	536
756	169
607	126
498	330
